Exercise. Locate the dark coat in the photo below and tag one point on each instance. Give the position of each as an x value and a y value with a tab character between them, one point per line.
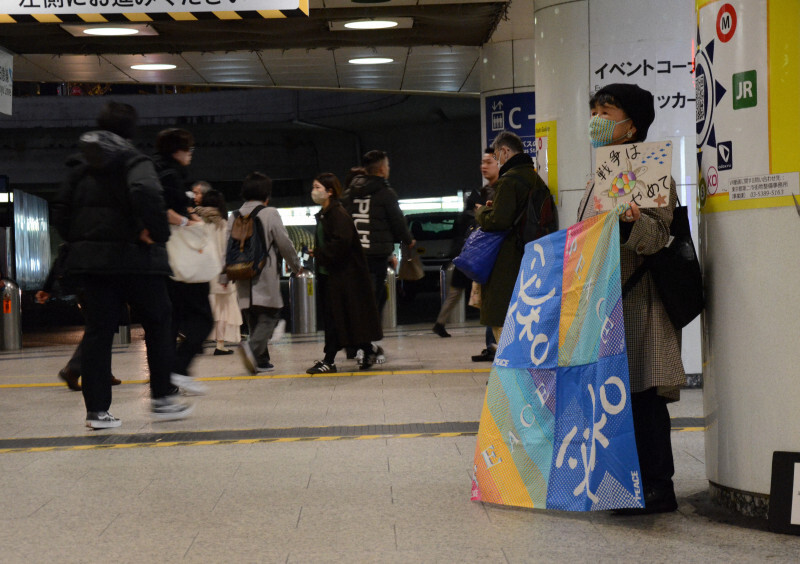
379	221
517	178
111	194
174	179
349	297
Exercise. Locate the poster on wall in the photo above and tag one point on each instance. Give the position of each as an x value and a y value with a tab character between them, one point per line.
733	89
6	81
546	161
634	172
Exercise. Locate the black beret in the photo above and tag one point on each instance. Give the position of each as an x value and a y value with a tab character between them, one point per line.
636	102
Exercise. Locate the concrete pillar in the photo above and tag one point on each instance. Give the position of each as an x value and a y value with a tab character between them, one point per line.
583	45
748	119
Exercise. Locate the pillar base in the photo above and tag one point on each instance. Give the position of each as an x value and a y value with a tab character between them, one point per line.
747	503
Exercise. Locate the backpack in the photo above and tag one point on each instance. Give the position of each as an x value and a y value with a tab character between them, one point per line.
539	218
246	252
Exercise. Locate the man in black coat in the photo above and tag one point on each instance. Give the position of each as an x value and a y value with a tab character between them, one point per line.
379	221
111	212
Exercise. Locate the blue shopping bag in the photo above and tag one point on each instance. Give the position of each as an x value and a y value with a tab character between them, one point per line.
479	254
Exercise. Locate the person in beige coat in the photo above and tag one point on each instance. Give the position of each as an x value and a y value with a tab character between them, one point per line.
260	298
622	113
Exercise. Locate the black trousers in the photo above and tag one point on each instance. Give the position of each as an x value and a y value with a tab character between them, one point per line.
377	272
104	296
651	425
332	338
191	316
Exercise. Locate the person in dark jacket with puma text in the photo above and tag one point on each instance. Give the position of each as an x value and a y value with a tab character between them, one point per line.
111	212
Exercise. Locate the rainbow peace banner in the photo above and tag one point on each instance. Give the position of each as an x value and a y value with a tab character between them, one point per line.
556	430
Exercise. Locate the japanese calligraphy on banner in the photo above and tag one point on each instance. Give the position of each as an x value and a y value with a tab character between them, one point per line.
6	81
556	430
635	172
32	7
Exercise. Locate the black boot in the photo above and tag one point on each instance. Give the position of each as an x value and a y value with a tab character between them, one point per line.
440	330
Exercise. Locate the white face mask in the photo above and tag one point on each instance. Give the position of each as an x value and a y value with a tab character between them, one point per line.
319	196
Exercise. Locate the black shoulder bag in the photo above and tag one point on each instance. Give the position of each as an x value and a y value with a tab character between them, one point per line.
676	273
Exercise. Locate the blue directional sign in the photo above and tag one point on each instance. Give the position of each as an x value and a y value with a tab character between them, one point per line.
515	113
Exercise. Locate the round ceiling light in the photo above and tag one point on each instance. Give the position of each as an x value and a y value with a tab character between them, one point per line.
370	24
370	61
110	31
153	66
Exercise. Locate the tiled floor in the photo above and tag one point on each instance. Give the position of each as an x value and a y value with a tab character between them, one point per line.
370	499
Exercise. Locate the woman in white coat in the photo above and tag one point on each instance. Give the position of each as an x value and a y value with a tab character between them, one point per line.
224	304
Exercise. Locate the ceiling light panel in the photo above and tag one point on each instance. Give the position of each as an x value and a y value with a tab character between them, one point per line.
364	24
242	67
382	77
182	74
80	30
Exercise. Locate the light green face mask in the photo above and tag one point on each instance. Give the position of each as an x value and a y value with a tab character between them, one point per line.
601	130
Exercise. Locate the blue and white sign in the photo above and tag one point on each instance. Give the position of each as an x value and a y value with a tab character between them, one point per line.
515	113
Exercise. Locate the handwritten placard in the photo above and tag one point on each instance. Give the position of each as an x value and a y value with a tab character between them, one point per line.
634	172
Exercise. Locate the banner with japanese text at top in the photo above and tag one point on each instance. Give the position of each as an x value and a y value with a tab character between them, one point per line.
556	430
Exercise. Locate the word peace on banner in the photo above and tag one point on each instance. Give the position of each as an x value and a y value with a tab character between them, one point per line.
556	429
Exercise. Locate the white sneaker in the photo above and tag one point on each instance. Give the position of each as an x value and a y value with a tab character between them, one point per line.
169	408
101	420
278	332
188	384
248	358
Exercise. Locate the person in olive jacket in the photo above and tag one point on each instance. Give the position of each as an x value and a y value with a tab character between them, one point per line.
111	213
517	179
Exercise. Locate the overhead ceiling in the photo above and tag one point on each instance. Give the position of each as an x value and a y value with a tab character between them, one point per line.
438	54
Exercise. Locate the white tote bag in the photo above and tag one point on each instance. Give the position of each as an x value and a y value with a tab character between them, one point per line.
193	253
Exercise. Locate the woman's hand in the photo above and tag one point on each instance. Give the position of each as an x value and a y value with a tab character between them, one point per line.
632	214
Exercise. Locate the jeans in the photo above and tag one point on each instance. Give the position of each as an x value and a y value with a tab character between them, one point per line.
104	296
261	322
191	316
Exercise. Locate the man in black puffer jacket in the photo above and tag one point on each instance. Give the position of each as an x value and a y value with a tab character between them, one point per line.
379	221
111	212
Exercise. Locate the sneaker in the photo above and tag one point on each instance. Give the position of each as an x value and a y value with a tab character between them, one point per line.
278	332
169	408
321	367
71	378
372	358
265	367
485	356
101	420
439	329
188	385
248	358
359	356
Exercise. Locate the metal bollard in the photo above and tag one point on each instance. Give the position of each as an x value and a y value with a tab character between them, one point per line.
11	335
302	302
390	307
459	313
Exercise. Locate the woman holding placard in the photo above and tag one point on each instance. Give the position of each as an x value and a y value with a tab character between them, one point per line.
621	114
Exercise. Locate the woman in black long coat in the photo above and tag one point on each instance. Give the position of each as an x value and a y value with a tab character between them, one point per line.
348	304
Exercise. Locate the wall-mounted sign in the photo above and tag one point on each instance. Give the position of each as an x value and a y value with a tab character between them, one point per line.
43	7
515	113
